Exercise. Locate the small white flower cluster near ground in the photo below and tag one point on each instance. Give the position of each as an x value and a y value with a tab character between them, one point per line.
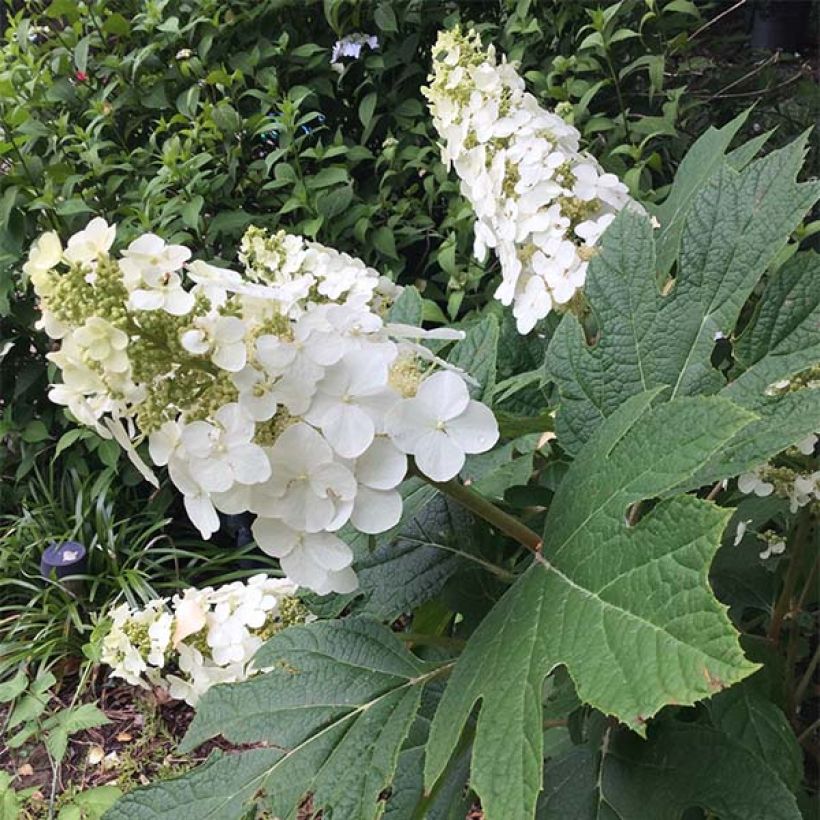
539	202
201	637
280	390
800	488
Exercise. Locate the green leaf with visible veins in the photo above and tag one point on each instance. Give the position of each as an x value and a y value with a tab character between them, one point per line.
745	714
627	610
335	710
659	778
737	223
783	339
703	159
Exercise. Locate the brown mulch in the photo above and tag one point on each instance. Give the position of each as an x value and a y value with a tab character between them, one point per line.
136	747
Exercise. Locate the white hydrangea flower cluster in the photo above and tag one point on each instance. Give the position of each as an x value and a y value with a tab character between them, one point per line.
800	488
539	202
280	390
209	636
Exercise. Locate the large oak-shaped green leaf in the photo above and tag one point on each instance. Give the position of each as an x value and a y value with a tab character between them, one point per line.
628	610
736	223
334	711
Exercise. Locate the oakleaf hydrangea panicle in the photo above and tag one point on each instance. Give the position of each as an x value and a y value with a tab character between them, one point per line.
539	202
278	390
200	637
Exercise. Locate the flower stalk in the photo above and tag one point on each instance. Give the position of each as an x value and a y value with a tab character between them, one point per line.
478	504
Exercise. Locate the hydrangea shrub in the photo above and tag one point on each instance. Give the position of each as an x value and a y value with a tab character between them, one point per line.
571	658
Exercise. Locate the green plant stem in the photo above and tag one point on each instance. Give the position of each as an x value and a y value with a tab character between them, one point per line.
476	503
800	691
618	93
783	605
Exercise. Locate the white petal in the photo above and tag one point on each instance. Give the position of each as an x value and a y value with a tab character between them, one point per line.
194	342
274	537
475	430
178	302
329	551
444	394
407	423
211	474
382	466
348	429
250	464
231	357
145	300
196	438
202	514
438	457
300	566
376	511
161	443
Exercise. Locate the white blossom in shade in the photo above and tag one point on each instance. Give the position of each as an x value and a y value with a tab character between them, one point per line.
350	401
206	636
351	46
774	547
93	241
199	676
804	490
806	446
214	282
167	294
320	561
539	202
378	471
149	260
741	530
104	343
44	256
222	454
440	424
137	640
753	482
308	488
220	337
256	393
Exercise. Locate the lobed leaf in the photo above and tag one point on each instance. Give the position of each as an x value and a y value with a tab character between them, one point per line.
334	711
737	222
628	610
